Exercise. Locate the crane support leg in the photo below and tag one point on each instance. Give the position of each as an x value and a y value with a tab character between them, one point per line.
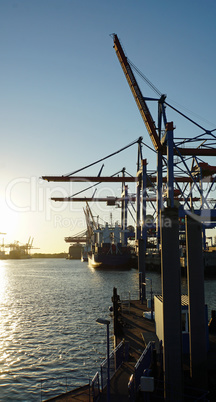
197	313
171	293
170	169
159	196
144	227
125	214
138	231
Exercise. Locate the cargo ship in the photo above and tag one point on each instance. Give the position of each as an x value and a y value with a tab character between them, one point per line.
102	246
74	252
108	250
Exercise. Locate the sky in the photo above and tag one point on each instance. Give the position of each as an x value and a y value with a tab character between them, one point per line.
65	102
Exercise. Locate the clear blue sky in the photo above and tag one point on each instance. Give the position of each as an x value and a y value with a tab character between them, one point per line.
65	102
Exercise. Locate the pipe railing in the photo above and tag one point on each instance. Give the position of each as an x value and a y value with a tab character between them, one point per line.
55	386
116	359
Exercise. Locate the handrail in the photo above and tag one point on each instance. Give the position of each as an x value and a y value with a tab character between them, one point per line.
95	387
143	363
60	385
116	358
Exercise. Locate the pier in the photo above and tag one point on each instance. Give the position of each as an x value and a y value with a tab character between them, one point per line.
137	332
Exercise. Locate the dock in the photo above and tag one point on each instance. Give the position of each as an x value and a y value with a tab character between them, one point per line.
138	332
134	327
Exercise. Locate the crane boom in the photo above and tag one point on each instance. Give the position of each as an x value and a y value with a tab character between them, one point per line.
140	101
113	179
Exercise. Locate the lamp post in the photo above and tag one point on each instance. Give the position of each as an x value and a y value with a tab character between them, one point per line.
106	322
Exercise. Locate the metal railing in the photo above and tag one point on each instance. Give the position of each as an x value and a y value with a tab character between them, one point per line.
52	387
143	363
126	298
131	295
95	387
116	358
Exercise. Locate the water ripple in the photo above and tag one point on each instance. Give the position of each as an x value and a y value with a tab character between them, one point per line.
48	330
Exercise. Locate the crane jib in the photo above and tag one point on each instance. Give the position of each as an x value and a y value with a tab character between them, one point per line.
143	108
136	89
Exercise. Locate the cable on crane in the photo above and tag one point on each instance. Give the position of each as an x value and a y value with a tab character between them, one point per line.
188	118
193	113
93	185
102	159
156	90
152	86
149	147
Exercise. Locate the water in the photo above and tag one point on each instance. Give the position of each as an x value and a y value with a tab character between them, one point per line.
48	312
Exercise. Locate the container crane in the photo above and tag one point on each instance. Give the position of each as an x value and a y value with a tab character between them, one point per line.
168	182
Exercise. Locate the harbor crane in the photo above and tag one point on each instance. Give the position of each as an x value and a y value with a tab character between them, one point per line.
190	180
166	147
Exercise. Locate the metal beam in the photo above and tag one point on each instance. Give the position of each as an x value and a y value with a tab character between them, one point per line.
170	167
130	179
171	293
100	179
111	201
75	239
197	313
194	151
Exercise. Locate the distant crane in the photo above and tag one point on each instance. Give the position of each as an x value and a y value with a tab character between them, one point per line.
19	248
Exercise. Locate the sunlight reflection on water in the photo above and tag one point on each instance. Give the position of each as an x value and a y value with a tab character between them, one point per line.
48	324
48	311
3	280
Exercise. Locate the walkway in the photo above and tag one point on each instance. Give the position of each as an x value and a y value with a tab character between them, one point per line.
138	331
134	326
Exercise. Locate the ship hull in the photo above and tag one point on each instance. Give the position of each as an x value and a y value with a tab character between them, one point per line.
15	255
109	261
74	252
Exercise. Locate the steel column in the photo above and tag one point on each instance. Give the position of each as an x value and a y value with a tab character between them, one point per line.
197	319
170	170
141	268
159	195
171	292
125	213
144	195
138	231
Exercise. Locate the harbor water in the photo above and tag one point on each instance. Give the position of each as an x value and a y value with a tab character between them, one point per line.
49	338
